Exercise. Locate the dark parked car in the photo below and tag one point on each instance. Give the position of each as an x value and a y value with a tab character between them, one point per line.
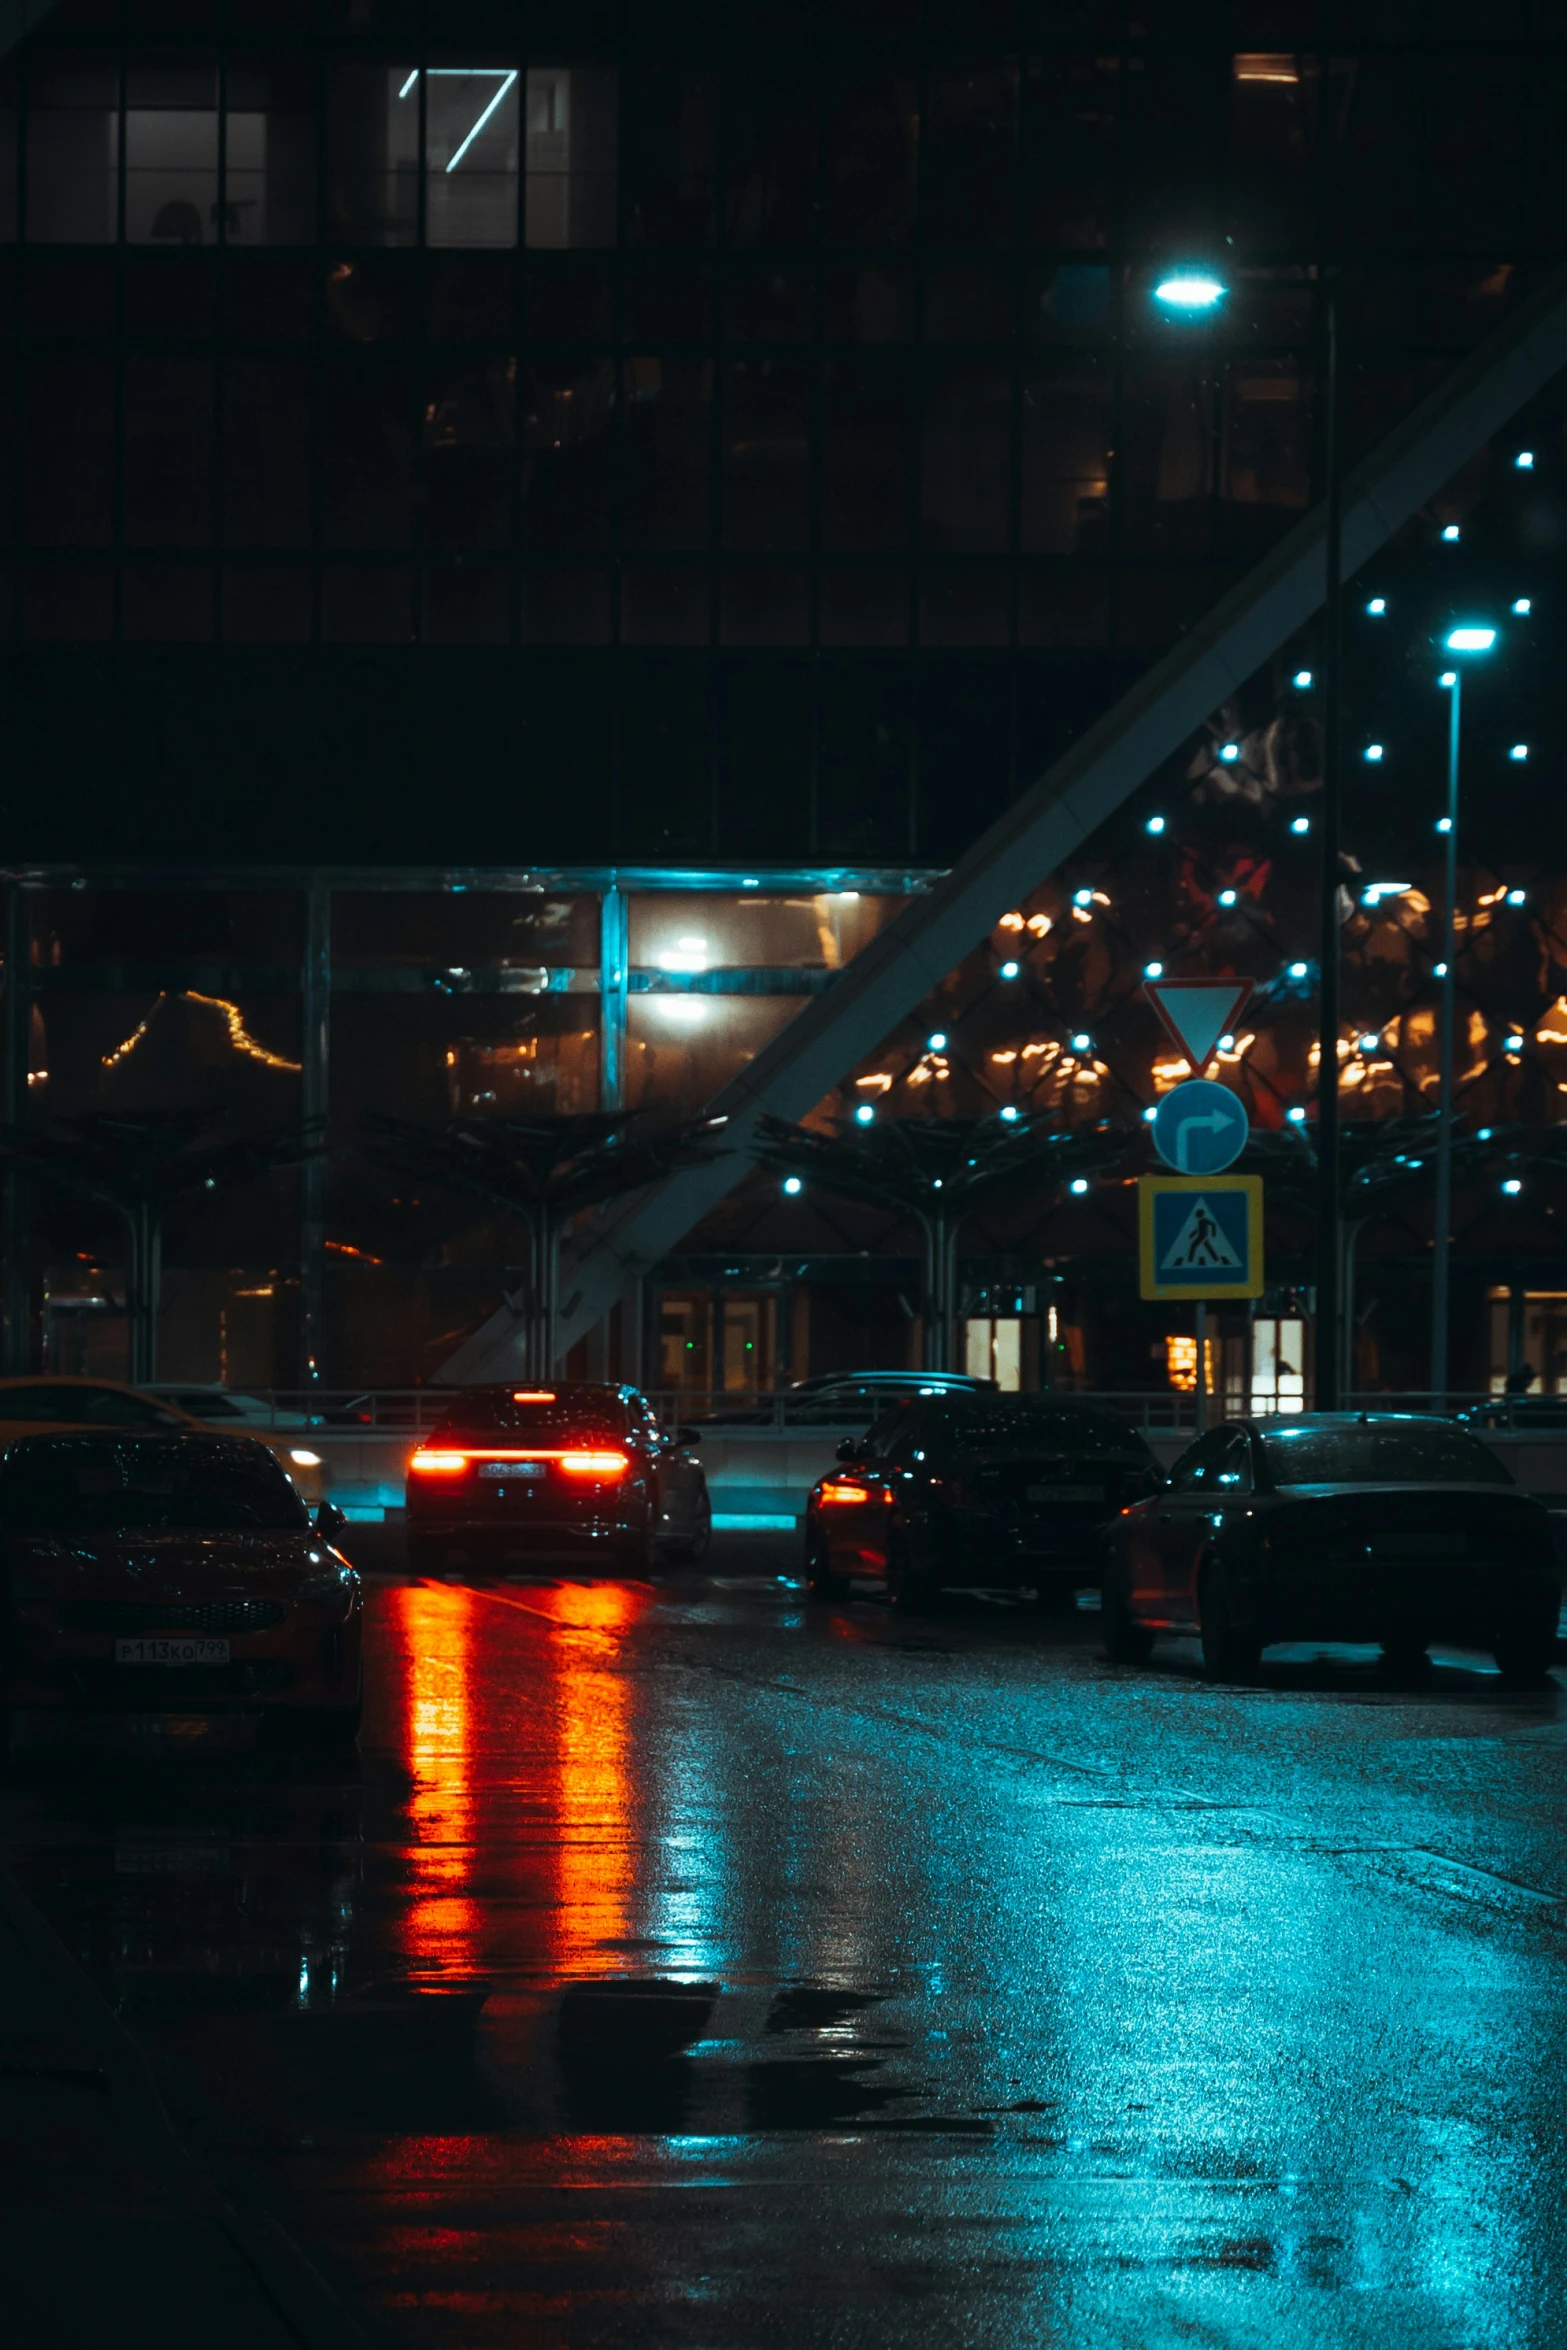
1520	1412
570	1474
848	1399
981	1489
172	1573
1335	1526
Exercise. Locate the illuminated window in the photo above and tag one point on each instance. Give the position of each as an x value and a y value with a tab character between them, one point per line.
1278	1365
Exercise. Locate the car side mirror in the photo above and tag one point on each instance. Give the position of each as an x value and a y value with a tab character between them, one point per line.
330	1519
688	1435
848	1449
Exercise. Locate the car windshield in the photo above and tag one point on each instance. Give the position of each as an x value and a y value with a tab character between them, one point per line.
106	1485
997	1427
539	1416
1380	1452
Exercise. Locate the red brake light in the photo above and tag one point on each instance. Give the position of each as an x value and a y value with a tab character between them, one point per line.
834	1490
595	1464
438	1464
533	1395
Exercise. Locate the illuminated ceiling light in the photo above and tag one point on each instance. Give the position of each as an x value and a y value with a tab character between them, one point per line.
1448	677
1226	1044
1469	639
1010	970
1523	606
685	954
1519	751
1516	897
1300	824
1374	752
865	1115
1154	824
847	897
1525	461
449	73
1297	1116
1301	678
1440	970
793	1186
1151	1112
1512	1044
936	1042
1082	897
1485	1134
1229	753
1190	289
1451	534
1008	1112
1227	897
1375	891
1512	1186
1079	1184
1377	606
1369	1043
1444	824
750	883
1153	970
1299	970
1082	1044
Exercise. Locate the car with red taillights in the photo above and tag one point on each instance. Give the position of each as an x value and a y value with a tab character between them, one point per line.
574	1474
974	1489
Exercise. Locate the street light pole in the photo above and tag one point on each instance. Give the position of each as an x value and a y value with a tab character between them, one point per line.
1443	1215
1330	1312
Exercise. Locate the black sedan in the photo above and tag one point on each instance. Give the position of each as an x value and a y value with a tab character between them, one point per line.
570	1475
979	1489
1374	1527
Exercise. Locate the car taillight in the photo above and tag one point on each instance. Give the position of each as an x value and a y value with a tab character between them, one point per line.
438	1464
834	1490
595	1464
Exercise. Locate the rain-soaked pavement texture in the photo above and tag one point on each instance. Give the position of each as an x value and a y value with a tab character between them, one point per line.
683	1966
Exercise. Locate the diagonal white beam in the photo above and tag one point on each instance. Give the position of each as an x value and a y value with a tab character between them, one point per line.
932	934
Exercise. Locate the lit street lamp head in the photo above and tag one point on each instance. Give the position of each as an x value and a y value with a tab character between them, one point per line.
1469	639
1190	290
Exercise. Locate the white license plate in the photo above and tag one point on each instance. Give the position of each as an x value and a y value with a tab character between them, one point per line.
168	1648
1066	1493
511	1469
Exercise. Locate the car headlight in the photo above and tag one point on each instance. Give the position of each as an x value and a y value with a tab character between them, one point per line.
305	1460
337	1582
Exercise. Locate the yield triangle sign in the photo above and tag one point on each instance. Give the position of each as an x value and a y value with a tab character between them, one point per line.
1197	1012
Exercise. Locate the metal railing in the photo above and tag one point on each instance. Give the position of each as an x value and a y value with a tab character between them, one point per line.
412	1410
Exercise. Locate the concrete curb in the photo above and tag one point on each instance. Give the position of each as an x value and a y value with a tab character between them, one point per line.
308	2311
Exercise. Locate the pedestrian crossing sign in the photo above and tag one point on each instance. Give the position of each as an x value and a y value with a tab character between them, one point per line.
1201	1236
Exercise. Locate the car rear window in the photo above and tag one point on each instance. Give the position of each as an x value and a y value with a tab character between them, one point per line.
564	1416
1016	1427
1380	1452
106	1485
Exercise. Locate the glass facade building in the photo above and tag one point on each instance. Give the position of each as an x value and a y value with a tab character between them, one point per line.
529	435
674	484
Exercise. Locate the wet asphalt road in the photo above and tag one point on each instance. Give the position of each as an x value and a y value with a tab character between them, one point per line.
679	1965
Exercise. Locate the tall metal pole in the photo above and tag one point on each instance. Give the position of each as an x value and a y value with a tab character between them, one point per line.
314	1088
1442	1220
16	1349
1329	1242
